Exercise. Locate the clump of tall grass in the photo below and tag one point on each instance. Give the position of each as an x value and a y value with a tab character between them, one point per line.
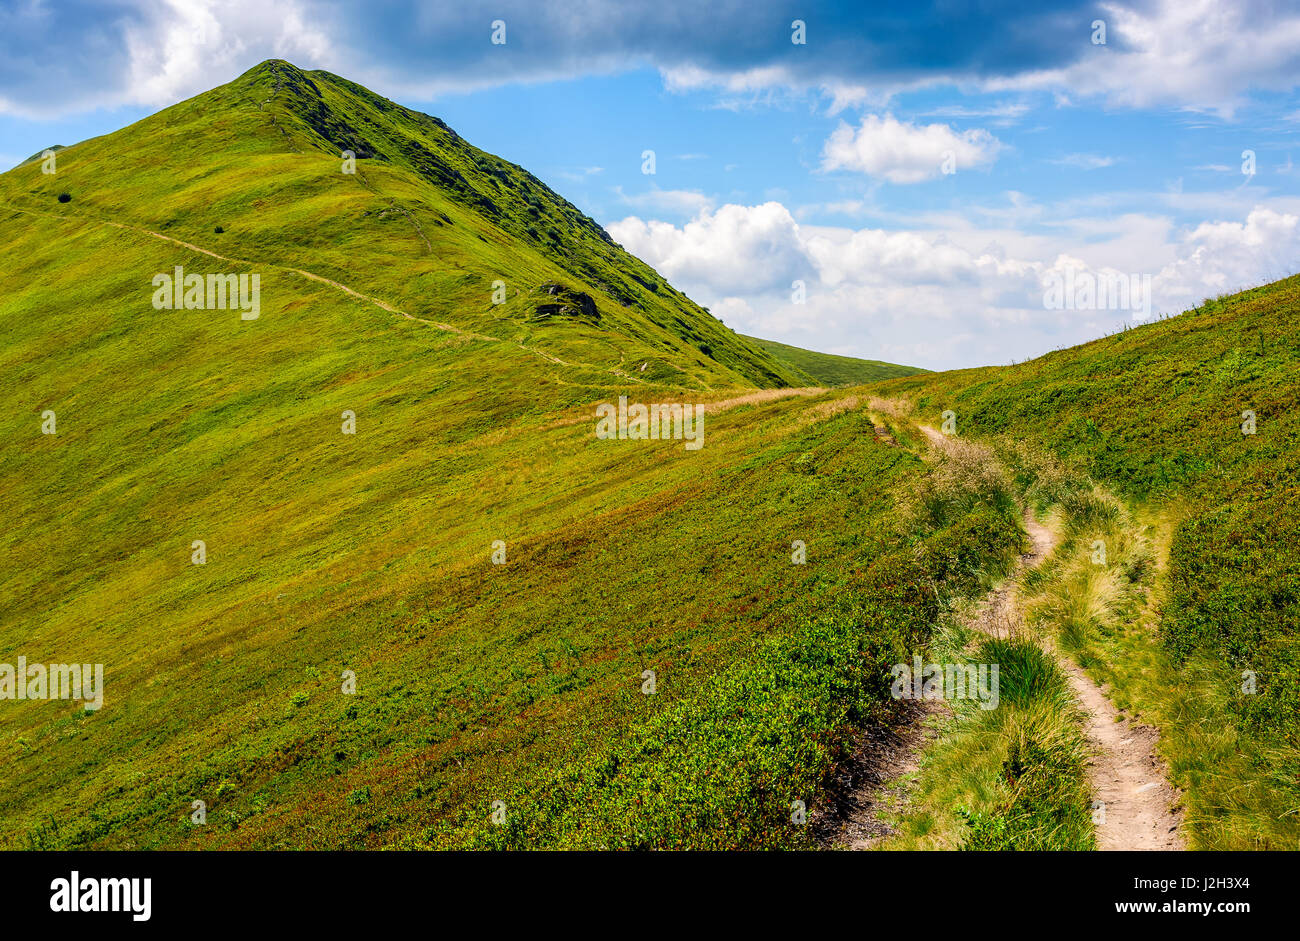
966	475
1045	480
897	409
1041	798
1102	573
1090	508
1042	794
1010	778
1077	603
1025	673
1042	477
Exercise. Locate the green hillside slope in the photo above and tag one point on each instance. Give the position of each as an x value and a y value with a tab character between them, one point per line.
1162	414
831	370
362	574
497	580
427	222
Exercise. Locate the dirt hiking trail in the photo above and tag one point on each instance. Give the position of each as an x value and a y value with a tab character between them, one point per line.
1127	777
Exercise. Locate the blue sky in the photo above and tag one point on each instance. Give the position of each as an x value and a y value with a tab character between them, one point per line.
922	171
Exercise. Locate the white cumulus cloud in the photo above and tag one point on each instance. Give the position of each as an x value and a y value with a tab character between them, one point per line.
950	298
736	250
901	152
1222	257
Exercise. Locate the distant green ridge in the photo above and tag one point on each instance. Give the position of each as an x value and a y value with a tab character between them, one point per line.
41	153
830	370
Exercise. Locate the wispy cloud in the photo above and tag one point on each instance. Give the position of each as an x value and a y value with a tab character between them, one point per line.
1085	161
1000	114
580	174
682	202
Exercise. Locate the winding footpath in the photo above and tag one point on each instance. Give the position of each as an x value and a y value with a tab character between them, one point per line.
1127	776
321	279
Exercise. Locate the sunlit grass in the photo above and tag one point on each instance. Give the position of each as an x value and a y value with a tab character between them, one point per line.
373	552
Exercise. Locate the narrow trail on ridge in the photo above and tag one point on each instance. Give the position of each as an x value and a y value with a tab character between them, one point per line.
871	780
321	279
1126	774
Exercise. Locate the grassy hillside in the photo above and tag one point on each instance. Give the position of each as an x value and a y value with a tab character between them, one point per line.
830	370
427	222
556	640
37	156
1157	414
476	682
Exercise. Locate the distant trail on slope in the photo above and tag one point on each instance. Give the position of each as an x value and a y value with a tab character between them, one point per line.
1127	776
938	439
752	398
383	305
761	395
240	261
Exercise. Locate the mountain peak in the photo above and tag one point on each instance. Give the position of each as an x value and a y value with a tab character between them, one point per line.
273	67
252	154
